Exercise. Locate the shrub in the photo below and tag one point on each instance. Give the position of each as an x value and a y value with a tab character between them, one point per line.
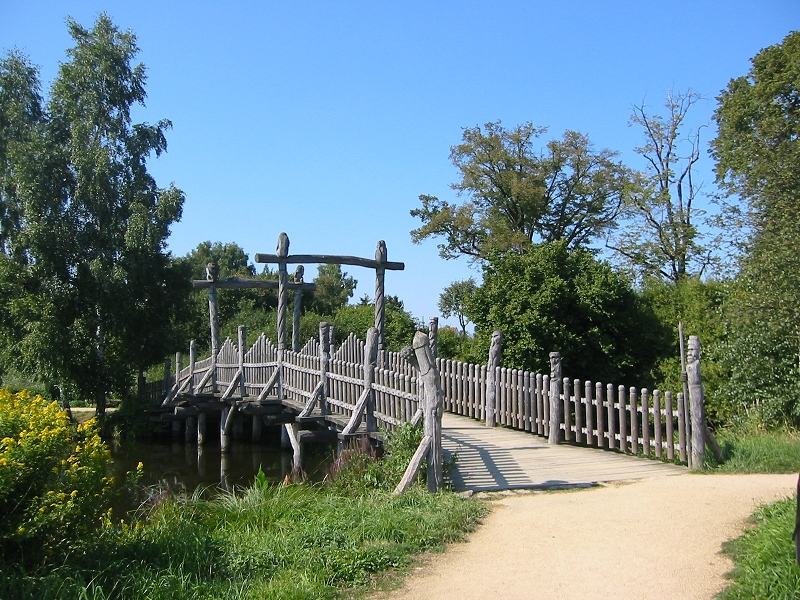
53	487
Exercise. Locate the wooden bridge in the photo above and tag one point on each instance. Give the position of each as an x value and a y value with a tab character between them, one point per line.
322	391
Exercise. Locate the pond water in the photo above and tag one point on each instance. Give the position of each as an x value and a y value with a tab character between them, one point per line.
175	467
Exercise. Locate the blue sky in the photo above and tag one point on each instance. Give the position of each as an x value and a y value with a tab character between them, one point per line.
328	119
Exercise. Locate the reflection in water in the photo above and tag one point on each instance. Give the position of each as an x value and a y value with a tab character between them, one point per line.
178	467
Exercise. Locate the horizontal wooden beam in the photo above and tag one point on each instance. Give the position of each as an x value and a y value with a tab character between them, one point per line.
242	283
330	260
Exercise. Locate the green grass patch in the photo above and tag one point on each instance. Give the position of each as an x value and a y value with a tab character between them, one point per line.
764	557
757	451
263	541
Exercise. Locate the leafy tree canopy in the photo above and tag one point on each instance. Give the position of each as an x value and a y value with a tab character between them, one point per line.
334	289
454	300
518	195
554	298
83	225
758	152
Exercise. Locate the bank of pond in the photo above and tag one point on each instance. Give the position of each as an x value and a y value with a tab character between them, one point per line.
190	523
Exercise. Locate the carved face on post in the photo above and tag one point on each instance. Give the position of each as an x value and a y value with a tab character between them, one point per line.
298	274
693	353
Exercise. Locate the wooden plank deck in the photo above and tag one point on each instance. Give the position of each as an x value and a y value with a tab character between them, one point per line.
492	459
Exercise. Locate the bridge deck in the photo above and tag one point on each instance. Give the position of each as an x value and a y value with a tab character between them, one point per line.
502	459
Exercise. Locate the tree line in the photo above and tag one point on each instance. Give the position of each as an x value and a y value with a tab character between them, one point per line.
583	254
89	295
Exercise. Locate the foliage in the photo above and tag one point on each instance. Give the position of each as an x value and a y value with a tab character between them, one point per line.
663	238
232	261
454	300
400	325
763	557
750	449
757	151
567	301
700	306
334	289
53	487
83	263
517	196
263	541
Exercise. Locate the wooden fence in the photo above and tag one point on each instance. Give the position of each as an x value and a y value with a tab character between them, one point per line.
594	414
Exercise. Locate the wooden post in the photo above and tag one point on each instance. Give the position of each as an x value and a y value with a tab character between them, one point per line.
587	392
612	429
657	423
192	362
191	428
686	452
381	256
324	359
255	432
212	274
282	252
698	410
178	367
683	448
371	351
242	341
224	437
623	421
423	360
167	376
296	306
433	336
491	375
633	399
201	428
556	408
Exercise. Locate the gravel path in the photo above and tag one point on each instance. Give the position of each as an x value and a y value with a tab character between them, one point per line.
653	538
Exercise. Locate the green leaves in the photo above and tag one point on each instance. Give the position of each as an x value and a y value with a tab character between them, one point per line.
518	195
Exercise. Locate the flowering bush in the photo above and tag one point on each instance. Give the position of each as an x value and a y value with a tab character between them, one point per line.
53	484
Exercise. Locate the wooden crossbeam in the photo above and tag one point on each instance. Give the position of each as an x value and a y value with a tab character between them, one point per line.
330	259
243	283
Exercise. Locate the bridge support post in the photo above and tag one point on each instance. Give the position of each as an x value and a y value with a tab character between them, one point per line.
556	406
698	410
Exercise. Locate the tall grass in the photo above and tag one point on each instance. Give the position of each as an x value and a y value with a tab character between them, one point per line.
263	541
751	450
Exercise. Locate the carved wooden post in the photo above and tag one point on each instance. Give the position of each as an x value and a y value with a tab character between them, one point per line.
381	256
212	274
698	410
370	358
684	407
433	335
178	366
556	407
296	305
282	251
491	388
433	407
324	358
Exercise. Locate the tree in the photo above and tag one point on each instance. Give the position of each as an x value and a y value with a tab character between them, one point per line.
663	239
517	195
334	289
85	226
557	299
454	300
757	149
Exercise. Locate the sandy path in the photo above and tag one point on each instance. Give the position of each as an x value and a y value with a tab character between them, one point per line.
653	538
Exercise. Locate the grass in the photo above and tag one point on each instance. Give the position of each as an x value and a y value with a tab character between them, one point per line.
750	450
764	557
263	541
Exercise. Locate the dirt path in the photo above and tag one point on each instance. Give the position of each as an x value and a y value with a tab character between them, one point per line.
653	538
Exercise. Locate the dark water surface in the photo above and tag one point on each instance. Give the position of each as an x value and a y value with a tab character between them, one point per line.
176	467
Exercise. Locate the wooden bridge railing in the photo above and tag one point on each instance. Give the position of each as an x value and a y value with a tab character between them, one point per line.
637	420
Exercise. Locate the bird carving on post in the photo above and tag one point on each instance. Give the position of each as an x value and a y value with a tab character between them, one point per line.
212	272
298	274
